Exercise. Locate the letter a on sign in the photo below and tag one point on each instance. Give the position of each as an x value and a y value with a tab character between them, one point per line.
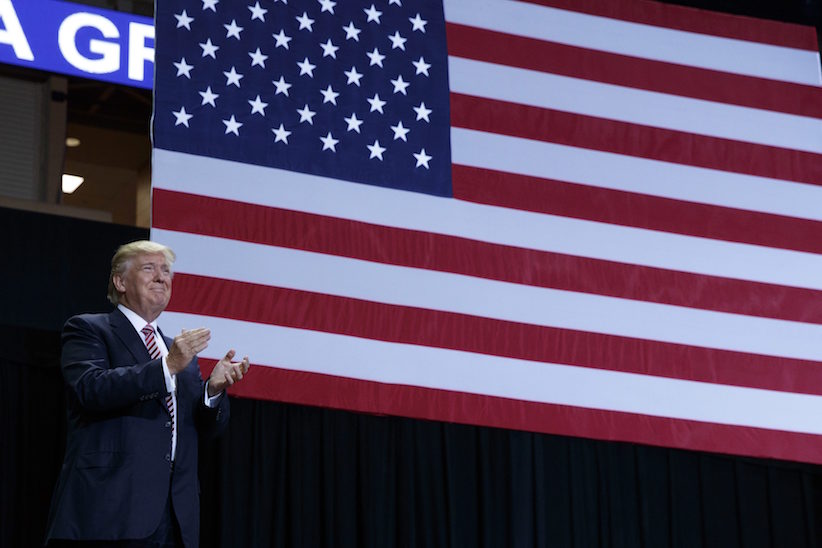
12	33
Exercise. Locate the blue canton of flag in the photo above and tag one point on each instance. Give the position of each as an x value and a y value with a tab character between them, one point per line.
348	90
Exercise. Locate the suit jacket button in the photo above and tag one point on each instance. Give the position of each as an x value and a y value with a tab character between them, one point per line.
168	457
168	424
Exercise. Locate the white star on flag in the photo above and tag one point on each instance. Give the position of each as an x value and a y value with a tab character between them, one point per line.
400	132
258	106
373	14
210	5
209	49
233	77
422	112
281	134
209	97
282	86
183	68
282	39
376	57
376	103
353	76
306	115
327	5
376	150
422	159
353	123
418	23
232	126
257	58
329	142
329	49
306	67
257	12
400	85
421	66
183	20
397	41
329	95
182	117
232	29
305	22
352	32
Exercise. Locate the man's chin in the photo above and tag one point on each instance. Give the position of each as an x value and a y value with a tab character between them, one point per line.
160	303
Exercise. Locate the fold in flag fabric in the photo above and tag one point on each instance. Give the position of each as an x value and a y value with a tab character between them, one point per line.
593	218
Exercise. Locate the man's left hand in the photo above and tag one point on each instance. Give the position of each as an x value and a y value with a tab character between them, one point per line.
226	373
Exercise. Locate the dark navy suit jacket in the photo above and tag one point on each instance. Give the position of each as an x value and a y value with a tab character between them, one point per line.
117	469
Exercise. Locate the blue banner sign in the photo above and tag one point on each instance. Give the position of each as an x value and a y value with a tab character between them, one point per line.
78	40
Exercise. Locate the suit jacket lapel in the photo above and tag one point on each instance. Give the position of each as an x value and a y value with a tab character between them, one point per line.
132	341
128	336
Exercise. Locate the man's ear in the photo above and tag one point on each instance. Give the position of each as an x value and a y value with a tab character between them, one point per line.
118	283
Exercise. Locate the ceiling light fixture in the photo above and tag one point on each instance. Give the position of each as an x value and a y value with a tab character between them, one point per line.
72	142
71	183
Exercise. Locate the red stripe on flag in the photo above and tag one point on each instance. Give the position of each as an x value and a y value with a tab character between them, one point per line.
296	230
700	21
666	145
403	324
304	388
637	210
621	70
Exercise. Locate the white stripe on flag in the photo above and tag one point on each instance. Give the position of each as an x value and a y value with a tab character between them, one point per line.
445	291
446	369
638	40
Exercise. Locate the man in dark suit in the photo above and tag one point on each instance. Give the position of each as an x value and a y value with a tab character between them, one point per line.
136	407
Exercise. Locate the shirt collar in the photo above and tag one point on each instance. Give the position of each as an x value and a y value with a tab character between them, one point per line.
135	319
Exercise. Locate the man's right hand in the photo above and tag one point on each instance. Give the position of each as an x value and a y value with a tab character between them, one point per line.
186	345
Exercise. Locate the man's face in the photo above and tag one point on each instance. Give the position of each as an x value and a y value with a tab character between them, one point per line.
145	287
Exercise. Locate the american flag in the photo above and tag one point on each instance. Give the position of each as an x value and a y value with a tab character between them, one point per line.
591	218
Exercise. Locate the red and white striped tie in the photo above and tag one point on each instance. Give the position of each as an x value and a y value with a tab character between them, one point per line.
154	352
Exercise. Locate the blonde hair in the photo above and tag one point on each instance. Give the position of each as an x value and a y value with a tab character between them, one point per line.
121	261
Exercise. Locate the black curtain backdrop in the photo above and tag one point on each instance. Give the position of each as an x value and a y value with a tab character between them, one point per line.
304	477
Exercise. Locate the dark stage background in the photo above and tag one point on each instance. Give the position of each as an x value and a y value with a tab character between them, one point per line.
295	476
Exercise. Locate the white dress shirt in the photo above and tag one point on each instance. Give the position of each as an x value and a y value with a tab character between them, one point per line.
171	380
